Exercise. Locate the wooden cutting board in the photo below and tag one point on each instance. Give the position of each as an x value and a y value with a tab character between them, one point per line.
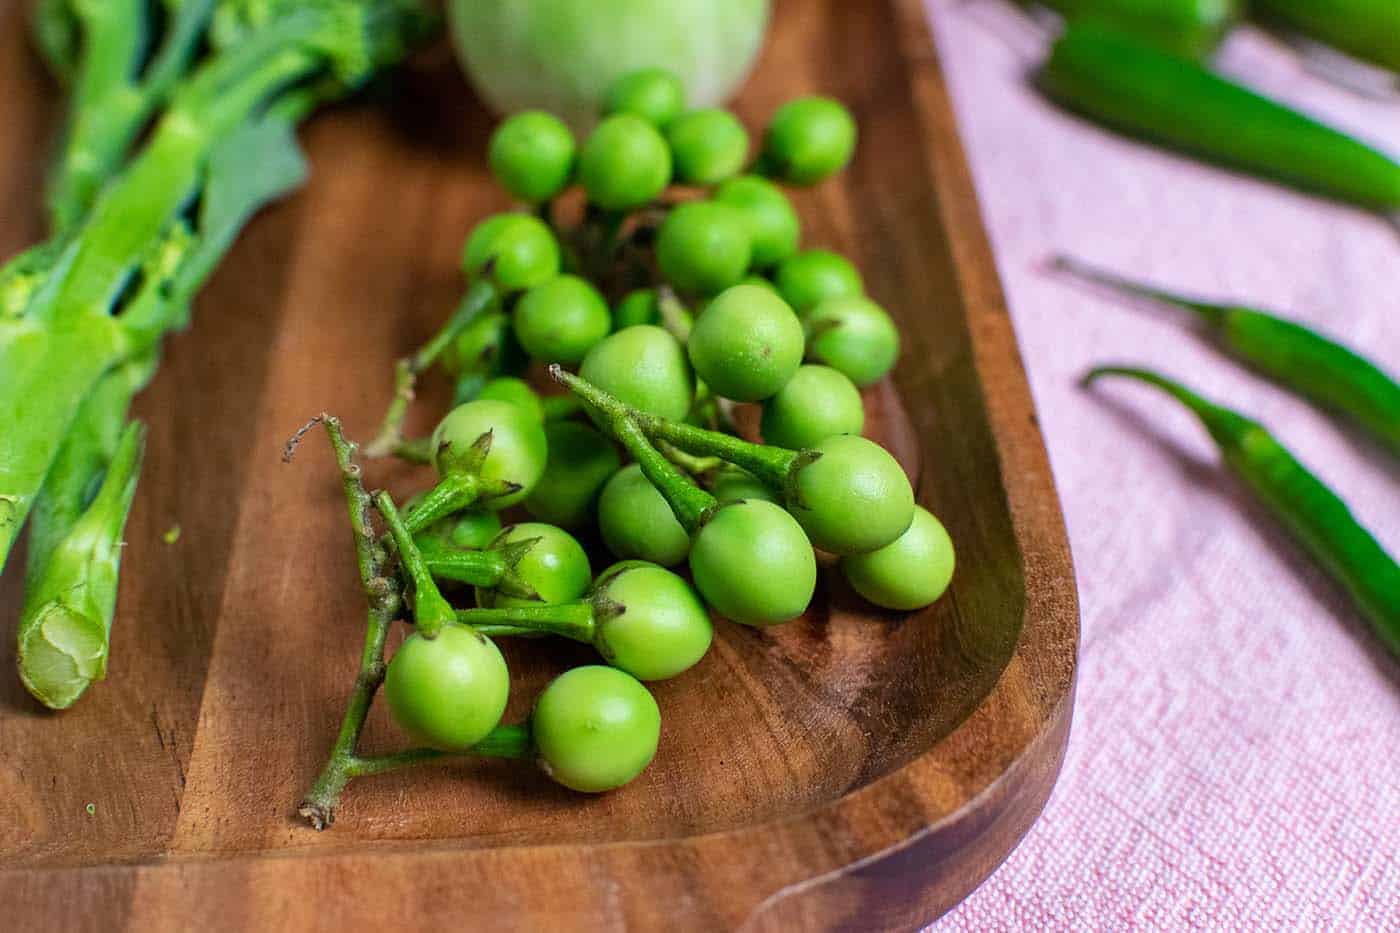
853	769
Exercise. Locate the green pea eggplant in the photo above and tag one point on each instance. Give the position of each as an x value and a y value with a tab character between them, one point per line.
1136	88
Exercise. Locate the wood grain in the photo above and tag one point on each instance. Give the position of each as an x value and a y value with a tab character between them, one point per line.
853	769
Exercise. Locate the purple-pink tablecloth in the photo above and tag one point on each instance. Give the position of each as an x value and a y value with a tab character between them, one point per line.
1235	756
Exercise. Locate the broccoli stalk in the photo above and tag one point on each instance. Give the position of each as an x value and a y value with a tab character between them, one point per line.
81	317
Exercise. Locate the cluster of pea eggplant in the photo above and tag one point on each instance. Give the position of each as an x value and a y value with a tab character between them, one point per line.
735	314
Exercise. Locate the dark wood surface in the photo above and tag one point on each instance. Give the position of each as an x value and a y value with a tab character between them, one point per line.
853	769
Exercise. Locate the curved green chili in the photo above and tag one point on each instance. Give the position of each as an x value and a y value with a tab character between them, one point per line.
1193	28
1295	357
1143	91
1313	513
1366	29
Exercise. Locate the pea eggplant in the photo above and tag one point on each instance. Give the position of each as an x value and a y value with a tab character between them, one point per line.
1136	88
1316	517
1295	357
744	517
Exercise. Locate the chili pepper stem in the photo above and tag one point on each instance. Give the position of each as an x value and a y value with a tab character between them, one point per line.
1327	373
691	504
481	296
1209	313
1227	428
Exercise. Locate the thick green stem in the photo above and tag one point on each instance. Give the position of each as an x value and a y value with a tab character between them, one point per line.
24	274
576	620
481	297
106	107
64	632
83	461
255	165
110	106
133	211
52	357
430	610
45	376
56	34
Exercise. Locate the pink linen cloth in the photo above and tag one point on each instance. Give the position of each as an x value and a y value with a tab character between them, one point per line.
1233	760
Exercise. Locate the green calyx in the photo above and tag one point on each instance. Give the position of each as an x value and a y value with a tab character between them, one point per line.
489	452
494	568
83	320
556	567
576	620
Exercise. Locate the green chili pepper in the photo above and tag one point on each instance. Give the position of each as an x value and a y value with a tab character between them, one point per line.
1193	28
1140	90
1297	358
1366	29
1312	512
